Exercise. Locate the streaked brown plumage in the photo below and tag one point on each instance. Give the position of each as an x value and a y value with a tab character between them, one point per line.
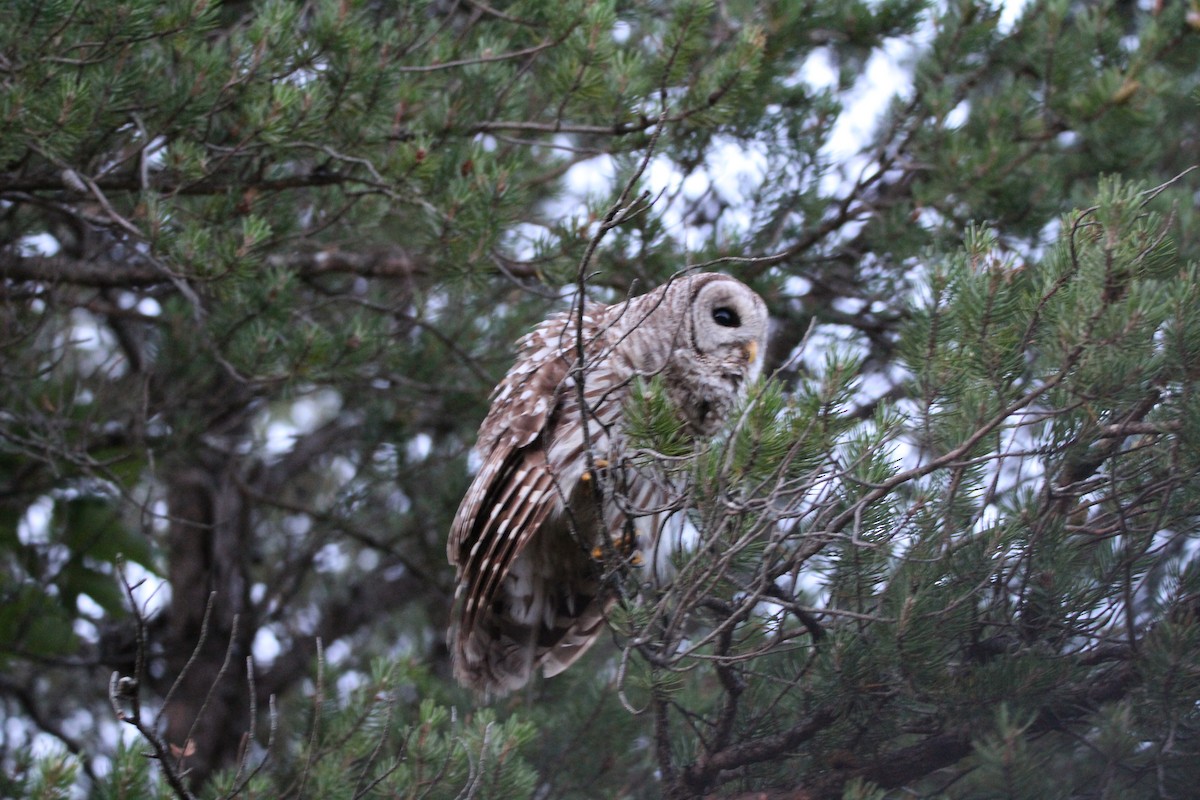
529	590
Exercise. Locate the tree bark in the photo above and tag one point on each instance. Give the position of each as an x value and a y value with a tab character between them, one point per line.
205	642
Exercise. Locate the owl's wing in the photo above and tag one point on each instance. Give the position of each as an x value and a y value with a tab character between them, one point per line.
528	590
514	491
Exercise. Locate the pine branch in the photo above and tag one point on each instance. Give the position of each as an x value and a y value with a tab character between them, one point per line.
165	183
98	273
701	776
391	262
900	767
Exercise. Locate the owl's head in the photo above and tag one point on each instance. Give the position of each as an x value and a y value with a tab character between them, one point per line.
728	322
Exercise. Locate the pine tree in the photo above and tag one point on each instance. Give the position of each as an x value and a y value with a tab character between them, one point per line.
262	262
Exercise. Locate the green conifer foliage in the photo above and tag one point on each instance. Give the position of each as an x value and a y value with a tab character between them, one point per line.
261	262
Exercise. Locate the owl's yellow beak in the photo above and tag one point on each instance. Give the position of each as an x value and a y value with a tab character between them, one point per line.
751	351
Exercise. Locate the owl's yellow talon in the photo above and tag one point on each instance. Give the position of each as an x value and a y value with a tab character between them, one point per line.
624	546
599	463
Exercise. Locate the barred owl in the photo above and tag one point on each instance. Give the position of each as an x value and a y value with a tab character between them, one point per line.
527	537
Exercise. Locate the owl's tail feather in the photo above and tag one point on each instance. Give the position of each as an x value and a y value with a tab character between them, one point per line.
500	654
548	607
489	664
576	640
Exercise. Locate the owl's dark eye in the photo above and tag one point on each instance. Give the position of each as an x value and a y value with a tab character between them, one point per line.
726	317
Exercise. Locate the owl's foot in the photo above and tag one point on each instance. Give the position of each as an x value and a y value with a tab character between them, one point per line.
599	463
625	547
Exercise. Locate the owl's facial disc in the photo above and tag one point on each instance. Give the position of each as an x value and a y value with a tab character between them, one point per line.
729	318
